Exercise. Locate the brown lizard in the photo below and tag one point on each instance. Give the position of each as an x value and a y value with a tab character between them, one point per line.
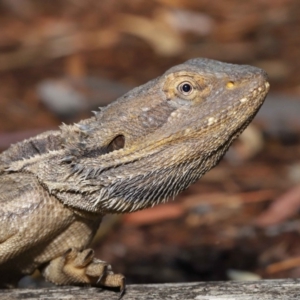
137	152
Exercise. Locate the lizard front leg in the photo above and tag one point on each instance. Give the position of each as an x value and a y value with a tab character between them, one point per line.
82	268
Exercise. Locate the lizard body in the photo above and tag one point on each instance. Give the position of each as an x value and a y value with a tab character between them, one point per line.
137	152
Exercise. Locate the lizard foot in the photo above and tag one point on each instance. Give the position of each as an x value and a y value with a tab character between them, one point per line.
81	267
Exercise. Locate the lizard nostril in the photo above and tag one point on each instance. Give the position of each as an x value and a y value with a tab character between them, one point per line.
117	143
230	84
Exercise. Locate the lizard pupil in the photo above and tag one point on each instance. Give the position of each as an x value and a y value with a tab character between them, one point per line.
186	88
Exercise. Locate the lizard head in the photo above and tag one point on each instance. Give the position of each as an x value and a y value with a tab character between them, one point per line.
157	139
166	134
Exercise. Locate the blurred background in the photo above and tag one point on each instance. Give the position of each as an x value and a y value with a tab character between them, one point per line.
60	59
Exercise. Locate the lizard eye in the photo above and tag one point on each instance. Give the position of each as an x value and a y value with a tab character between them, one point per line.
116	144
185	88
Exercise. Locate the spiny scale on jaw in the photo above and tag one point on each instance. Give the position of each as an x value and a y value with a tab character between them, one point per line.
154	188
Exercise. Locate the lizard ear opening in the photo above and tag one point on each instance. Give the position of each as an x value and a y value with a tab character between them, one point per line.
116	144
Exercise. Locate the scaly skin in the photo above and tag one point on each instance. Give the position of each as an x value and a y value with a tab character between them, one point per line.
137	152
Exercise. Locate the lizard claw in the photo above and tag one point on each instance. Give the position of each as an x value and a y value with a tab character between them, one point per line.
102	275
122	288
80	268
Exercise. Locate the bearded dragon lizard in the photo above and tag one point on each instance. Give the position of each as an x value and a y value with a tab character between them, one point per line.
137	152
